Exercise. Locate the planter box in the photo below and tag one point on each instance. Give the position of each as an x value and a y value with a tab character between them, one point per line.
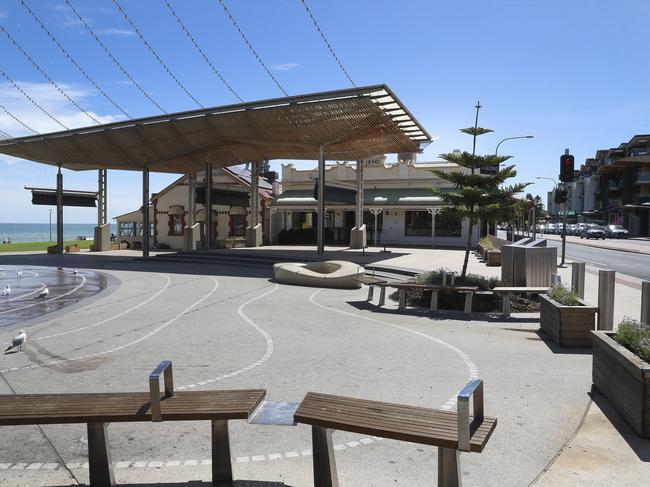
568	326
72	248
493	258
52	249
624	379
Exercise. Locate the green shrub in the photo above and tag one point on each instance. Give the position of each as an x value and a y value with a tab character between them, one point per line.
564	296
635	336
486	243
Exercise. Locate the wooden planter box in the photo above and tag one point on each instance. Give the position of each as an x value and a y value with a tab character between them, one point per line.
52	249
624	379
493	258
72	248
568	326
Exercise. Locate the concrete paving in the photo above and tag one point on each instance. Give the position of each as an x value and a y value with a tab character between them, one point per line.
230	326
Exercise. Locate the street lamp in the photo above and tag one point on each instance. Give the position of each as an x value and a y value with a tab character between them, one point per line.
496	151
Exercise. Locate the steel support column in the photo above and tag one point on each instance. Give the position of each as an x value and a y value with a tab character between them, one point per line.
100	469
255	195
359	195
102	175
208	205
191	207
320	234
145	212
59	211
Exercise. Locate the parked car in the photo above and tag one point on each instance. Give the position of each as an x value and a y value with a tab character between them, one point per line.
593	231
617	231
572	229
551	228
580	228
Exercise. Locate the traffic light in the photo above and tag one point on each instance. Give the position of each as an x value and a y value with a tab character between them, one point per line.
567	163
560	196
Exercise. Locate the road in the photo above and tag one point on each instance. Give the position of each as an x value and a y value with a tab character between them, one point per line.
637	265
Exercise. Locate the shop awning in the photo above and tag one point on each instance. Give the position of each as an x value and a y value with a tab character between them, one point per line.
350	124
390	197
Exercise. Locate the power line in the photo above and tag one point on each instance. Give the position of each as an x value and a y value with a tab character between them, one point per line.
71	59
30	99
47	77
115	61
329	46
17	120
250	46
155	54
198	48
4	135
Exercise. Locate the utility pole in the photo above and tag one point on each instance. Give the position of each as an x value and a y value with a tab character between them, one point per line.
564	216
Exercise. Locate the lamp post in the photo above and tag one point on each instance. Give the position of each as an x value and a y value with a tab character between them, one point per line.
496	150
564	208
50	225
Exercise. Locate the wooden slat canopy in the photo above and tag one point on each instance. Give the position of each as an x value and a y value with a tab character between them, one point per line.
352	124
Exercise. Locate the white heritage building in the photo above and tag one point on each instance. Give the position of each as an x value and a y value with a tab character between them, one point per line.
396	196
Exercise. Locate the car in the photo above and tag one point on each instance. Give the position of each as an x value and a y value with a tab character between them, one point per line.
572	229
593	231
617	231
551	228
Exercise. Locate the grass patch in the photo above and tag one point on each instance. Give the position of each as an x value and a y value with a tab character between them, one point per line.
41	246
635	336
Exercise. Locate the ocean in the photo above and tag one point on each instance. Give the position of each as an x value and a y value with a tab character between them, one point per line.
40	232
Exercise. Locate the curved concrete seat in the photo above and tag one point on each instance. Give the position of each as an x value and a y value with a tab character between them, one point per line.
332	273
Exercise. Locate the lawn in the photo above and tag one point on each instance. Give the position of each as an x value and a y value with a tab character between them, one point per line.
42	246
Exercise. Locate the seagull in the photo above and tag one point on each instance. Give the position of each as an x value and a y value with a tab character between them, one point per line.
7	290
19	272
75	271
18	341
43	293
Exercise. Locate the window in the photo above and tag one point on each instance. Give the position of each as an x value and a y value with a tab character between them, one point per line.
176	220
418	223
448	224
125	229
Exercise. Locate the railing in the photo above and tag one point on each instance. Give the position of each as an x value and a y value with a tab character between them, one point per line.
154	387
473	388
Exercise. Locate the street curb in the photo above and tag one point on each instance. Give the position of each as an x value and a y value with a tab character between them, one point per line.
632	251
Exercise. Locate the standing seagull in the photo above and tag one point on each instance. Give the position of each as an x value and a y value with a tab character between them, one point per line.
7	290
43	293
19	272
75	271
18	341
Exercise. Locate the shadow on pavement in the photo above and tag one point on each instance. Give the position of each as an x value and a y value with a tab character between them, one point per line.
198	483
439	315
640	446
555	348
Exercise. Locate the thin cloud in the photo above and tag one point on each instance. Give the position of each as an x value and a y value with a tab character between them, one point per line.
116	32
285	66
3	14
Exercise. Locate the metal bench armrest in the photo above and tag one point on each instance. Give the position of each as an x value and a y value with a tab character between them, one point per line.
475	388
154	387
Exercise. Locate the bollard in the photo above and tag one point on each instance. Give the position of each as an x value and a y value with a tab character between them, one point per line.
452	277
606	287
556	280
578	278
444	278
645	302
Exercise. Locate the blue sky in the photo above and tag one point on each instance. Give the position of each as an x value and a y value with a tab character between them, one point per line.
573	73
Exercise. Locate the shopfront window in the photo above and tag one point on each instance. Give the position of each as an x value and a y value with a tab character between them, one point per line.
237	225
448	224
125	229
417	223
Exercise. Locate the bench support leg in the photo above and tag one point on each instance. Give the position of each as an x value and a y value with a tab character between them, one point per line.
382	296
468	303
221	465
371	293
324	462
449	468
402	299
434	301
506	305
99	456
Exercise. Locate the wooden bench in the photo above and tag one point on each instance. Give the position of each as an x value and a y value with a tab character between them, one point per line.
507	292
450	431
100	409
371	282
468	291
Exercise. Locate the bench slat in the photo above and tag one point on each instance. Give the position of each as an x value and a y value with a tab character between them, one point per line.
407	423
522	289
127	407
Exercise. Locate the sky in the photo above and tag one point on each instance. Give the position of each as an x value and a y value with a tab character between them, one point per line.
572	73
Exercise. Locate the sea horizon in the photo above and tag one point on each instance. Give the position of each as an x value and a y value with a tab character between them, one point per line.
44	232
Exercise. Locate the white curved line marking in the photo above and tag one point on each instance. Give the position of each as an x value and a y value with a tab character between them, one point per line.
471	367
119	315
122	347
18	296
16	278
75	289
267	354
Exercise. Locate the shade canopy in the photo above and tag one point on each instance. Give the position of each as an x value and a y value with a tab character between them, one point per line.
351	125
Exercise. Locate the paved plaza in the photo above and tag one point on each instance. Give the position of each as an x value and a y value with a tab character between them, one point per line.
230	326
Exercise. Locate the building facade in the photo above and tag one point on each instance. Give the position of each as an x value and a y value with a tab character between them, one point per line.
399	208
